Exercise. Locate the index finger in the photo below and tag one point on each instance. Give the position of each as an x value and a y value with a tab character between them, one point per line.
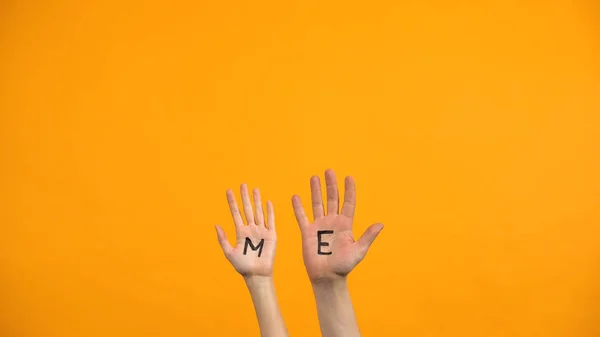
299	212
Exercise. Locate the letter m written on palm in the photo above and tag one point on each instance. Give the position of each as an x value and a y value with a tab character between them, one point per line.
258	247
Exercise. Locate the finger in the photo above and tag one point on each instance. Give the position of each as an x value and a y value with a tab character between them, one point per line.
349	198
260	218
225	245
299	212
317	197
247	204
270	215
366	240
233	208
332	193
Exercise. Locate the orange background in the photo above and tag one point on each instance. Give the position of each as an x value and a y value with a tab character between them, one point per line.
472	129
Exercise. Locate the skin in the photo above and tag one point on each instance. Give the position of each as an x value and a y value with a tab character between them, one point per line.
328	273
257	271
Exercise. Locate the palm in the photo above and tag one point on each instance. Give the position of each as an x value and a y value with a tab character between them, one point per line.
254	252
328	244
343	257
251	263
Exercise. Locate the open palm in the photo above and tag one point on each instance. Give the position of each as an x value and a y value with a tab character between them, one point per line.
328	244
254	251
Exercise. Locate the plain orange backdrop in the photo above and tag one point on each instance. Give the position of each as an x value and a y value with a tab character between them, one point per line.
472	129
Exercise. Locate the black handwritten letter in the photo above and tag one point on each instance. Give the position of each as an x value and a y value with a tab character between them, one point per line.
258	247
322	244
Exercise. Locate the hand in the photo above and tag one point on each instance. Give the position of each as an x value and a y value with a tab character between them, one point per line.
328	245
254	251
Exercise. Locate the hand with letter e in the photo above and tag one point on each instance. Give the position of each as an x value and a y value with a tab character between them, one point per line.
330	253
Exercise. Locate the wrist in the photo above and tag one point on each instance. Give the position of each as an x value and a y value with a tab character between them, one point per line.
329	279
330	283
258	280
260	287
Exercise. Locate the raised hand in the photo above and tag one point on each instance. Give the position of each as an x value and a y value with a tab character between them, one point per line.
330	253
328	244
253	257
254	252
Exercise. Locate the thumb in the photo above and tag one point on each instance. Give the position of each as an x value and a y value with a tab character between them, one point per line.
366	240
225	245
